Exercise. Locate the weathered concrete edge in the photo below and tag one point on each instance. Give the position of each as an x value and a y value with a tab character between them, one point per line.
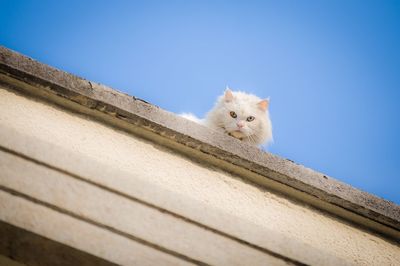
173	127
29	248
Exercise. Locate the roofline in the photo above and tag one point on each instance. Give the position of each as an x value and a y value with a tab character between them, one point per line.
326	192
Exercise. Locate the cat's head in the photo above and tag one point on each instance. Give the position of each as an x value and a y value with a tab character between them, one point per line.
244	115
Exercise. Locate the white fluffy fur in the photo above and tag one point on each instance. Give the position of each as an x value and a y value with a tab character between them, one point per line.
256	132
193	118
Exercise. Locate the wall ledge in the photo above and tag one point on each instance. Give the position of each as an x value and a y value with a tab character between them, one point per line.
333	196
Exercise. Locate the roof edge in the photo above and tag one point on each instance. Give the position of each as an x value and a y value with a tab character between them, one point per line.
180	130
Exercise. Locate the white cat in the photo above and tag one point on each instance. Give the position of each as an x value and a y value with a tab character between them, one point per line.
240	115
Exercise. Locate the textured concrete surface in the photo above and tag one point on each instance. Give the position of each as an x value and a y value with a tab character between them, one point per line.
133	218
50	81
100	242
203	196
26	248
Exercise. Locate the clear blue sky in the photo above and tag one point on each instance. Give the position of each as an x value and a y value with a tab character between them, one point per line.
331	68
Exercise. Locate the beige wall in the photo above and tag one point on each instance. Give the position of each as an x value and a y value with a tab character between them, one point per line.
139	201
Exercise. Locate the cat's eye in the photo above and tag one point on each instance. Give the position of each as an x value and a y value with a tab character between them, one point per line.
233	114
250	118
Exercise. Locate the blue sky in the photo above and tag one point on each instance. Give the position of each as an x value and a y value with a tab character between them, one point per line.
331	68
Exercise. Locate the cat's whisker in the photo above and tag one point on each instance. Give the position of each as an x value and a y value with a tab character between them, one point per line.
252	139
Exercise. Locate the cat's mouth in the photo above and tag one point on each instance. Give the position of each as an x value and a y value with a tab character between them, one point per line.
237	134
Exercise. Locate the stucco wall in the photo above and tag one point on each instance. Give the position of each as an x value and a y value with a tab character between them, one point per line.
164	206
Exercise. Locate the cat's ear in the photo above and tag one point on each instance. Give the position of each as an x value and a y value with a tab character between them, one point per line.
228	95
263	105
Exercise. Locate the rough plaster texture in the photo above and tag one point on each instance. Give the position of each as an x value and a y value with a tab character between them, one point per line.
128	216
211	197
322	191
64	229
21	247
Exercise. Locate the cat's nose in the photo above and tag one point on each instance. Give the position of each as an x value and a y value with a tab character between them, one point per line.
240	124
